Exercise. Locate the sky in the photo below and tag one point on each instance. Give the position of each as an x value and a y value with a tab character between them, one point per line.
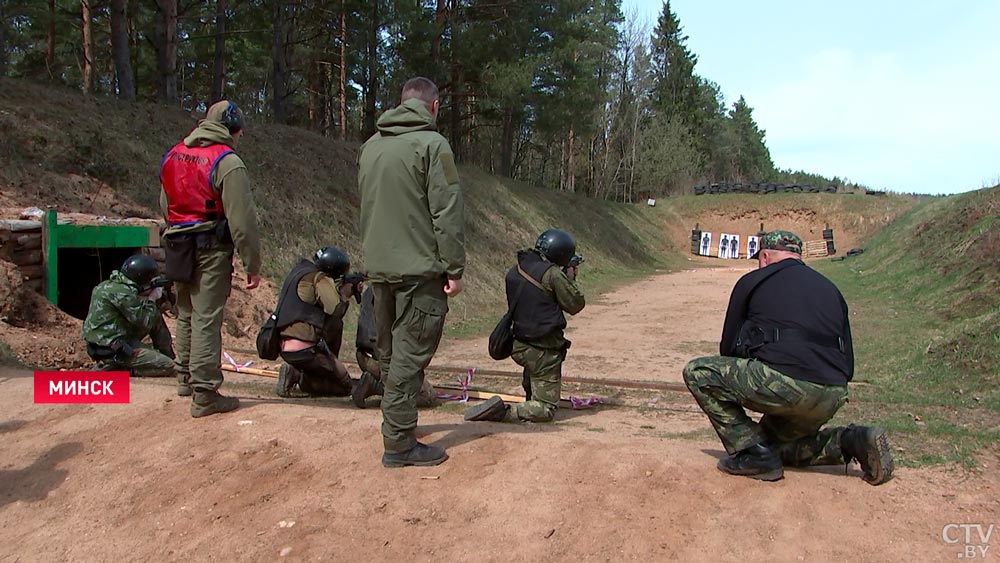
891	94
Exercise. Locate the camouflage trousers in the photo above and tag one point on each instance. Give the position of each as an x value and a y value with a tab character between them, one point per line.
409	327
542	382
427	397
794	411
145	361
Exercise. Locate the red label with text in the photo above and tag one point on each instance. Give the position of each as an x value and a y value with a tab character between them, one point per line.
82	387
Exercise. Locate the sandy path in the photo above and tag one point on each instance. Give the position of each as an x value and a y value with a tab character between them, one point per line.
646	330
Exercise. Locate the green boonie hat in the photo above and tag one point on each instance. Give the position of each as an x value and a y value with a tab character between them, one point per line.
779	240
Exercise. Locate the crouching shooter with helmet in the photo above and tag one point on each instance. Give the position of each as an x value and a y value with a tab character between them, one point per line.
311	306
123	311
541	287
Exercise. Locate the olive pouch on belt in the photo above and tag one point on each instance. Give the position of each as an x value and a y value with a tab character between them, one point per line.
181	257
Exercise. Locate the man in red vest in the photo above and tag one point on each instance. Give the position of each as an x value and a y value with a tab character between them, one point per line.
209	209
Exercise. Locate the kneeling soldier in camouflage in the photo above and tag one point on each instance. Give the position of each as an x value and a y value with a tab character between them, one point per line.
786	352
540	288
311	308
123	311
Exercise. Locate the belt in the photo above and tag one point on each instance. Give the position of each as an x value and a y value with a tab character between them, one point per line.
799	335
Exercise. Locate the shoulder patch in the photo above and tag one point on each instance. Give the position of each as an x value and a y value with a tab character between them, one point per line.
450	170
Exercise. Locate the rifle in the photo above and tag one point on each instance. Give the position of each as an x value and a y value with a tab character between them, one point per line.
168	302
354	279
574	262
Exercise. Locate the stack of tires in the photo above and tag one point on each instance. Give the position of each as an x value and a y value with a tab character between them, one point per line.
760	188
828	237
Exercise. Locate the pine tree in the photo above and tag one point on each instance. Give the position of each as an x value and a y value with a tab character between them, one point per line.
675	89
751	158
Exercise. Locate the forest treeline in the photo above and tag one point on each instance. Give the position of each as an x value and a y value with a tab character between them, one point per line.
567	94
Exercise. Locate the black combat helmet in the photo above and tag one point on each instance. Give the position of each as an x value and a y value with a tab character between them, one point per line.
141	269
556	246
332	261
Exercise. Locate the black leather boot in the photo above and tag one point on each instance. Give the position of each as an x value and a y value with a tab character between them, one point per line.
420	455
756	462
870	446
366	386
492	410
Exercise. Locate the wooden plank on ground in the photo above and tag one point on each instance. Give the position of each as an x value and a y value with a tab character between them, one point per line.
251	371
452	389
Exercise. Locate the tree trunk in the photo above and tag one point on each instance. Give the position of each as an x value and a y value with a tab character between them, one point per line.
279	55
165	40
571	160
120	50
50	40
88	48
440	18
343	70
327	98
312	94
371	69
219	72
507	143
455	110
3	42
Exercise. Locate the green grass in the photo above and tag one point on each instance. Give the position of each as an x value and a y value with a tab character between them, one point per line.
924	316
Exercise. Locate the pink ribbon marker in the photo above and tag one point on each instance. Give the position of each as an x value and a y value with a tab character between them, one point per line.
236	367
464	381
583	403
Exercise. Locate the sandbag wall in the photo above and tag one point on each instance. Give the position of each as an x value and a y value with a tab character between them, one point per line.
21	243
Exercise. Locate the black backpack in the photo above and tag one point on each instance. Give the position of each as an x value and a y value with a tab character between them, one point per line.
269	339
502	338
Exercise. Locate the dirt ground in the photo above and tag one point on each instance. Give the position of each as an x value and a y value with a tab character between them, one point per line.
301	480
645	331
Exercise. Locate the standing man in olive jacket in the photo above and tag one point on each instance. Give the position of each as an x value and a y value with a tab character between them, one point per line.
209	209
413	240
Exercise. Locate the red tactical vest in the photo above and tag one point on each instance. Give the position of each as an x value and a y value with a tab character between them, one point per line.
186	175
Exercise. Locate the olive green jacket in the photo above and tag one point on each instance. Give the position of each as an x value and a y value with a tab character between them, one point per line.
237	199
412	213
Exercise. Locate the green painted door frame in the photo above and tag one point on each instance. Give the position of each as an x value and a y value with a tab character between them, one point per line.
56	236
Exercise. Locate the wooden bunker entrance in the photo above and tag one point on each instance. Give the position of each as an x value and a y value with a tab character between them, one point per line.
77	257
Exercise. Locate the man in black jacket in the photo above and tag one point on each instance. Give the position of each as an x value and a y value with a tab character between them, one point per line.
786	352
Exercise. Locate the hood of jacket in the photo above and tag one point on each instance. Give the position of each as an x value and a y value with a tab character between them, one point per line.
209	133
412	115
